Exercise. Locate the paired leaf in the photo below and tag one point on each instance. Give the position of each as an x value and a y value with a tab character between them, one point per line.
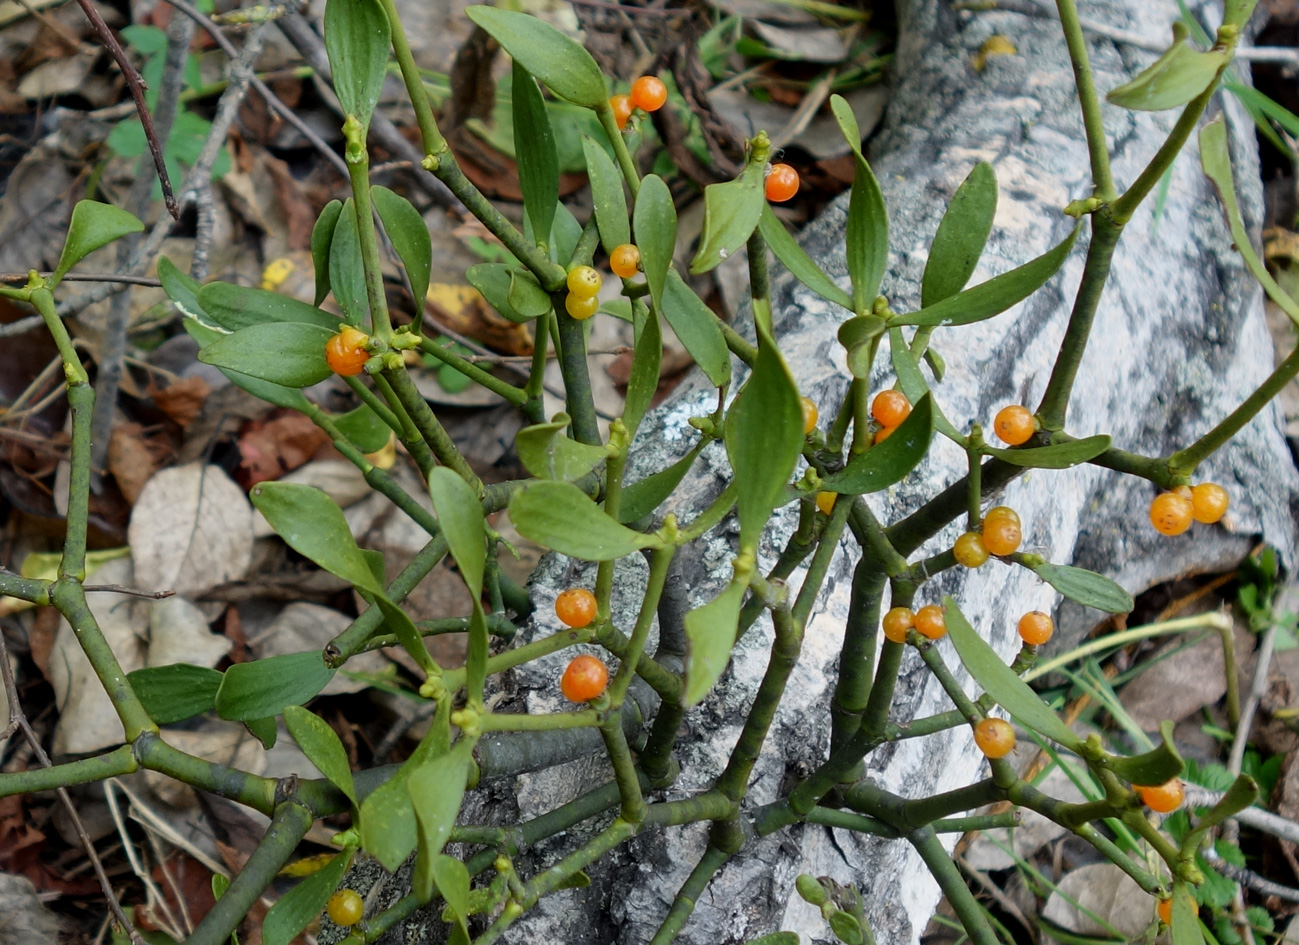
493	281
1152	767
710	635
558	61
346	270
1086	587
696	328
181	288
646	362
537	158
93	225
461	518
357	39
731	213
548	453
644	496
175	692
526	296
994	296
961	236
1055	456
238	306
886	463
261	689
797	261
867	238
607	197
452	880
858	336
436	790
913	383
363	427
999	681
654	220
294	910
1173	79
322	236
410	238
312	524
321	745
389	830
562	517
291	354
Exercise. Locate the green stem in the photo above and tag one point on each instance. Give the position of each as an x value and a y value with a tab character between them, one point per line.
932	517
614	469
1089	100
32	590
739	346
881	697
372	400
577	379
857	655
497	625
408	433
117	762
759	281
967	908
432	431
537	375
684	902
550	722
242	787
358	169
455	678
624	768
659	678
827	545
660	561
929	809
604	111
507	391
974	484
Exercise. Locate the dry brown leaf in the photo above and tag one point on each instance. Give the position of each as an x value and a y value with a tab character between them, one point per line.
279	445
1106	891
183	400
130	460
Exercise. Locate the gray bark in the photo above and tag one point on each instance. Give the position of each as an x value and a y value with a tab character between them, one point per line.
1179	340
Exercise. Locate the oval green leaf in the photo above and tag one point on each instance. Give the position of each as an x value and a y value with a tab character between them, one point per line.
867	237
644	496
1086	587
1173	79
322	236
710	635
1186	917
654	220
493	281
607	197
857	335
346	271
994	296
321	745
461	518
537	159
294	910
548	453
410	238
526	296
181	289
646	362
93	226
452	880
562	517
961	236
797	261
312	524
238	306
436	789
558	61
1055	456
363	429
999	681
696	327
886	463
357	39
291	354
175	692
731	213
261	689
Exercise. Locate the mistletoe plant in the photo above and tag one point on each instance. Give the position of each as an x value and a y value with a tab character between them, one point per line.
577	503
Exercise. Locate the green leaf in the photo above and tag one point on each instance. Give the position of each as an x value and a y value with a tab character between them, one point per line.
452	880
410	238
321	745
493	281
312	524
363	429
237	306
264	730
847	120
764	439
710	635
696	327
291	354
1242	793
644	496
304	902
548	453
654	220
1055	456
564	235
1086	587
357	39
563	518
1186	917
175	692
999	681
322	236
261	689
912	382
776	938
526	296
994	296
389	829
436	790
93	225
181	289
1156	766
346	270
886	463
607	197
798	262
846	927
646	362
961	236
858	335
461	518
558	61
537	159
1173	79
731	213
867	237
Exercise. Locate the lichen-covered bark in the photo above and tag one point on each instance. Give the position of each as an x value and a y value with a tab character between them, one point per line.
1179	340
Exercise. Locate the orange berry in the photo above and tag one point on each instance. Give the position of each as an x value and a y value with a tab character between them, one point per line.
1209	502
890	408
825	501
584	679
625	260
345	907
1014	425
882	434
1165	909
810	414
1163	798
622	108
579	307
995	738
1001	535
345	352
576	607
897	622
1001	511
930	622
1035	628
584	282
970	551
649	92
782	183
1171	513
